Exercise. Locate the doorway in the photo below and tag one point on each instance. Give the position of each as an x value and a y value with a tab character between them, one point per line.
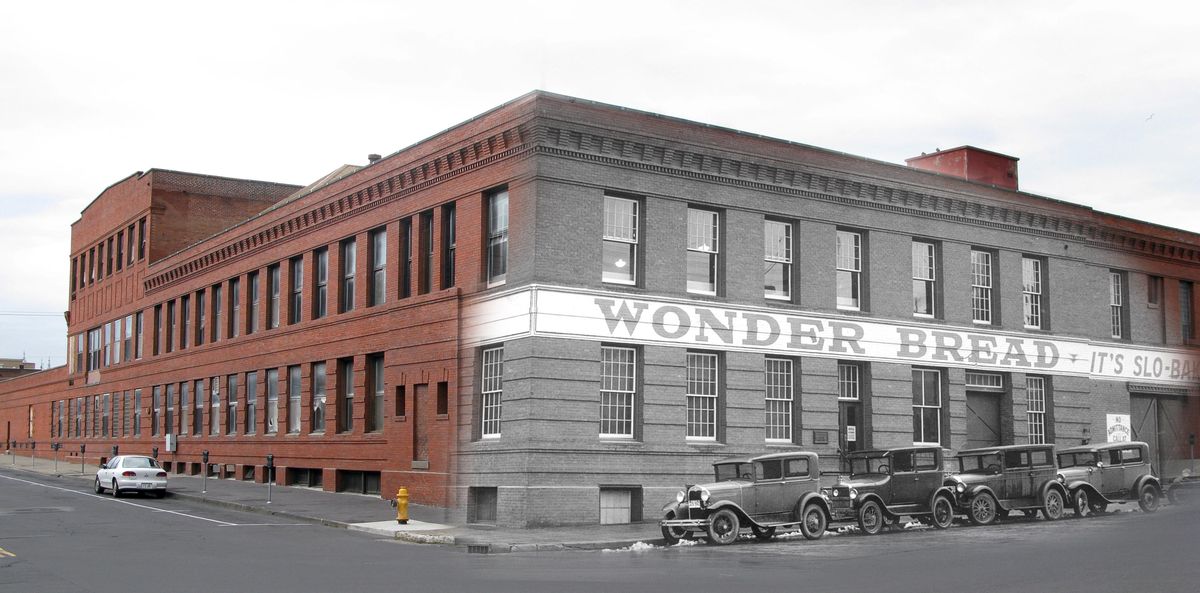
1158	421
983	419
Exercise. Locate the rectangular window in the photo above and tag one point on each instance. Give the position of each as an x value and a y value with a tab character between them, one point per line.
497	237
198	409
104	415
185	407
231	404
217	321
120	249
293	404
170	322
1187	315
156	410
449	243
252	297
345	387
620	242
378	290
296	290
214	413
1035	411
129	245
137	328
425	250
849	382
185	318
142	239
985	381
374	395
703	235
108	351
95	346
778	403
1116	302
849	270
924	273
1154	288
320	283
273	296
492	381
235	306
618	388
405	258
108	270
251	422
1031	291
702	382
127	338
318	397
100	262
777	260
91	265
981	286
170	426
349	251
927	407
272	411
201	317
137	412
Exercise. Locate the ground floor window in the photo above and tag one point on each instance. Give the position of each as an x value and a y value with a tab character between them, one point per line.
778	404
927	406
1035	411
617	391
620	504
481	504
493	390
702	396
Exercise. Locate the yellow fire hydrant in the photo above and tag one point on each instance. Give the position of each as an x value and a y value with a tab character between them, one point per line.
402	506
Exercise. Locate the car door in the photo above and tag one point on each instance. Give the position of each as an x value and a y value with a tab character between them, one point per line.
1042	468
928	477
1017	477
898	492
768	490
1113	474
106	473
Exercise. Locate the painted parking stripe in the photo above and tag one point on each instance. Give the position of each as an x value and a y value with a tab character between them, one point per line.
4	552
111	499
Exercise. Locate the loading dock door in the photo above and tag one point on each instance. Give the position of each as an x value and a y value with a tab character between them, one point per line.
1159	421
983	419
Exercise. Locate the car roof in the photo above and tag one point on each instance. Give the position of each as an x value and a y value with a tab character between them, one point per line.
785	455
1102	447
876	452
1003	448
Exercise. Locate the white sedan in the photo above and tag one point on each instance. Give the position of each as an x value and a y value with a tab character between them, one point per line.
132	473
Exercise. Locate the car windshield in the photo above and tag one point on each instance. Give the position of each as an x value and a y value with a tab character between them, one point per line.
877	464
734	471
1086	458
139	462
979	464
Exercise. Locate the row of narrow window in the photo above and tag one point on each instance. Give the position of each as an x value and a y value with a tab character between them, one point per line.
108	256
703	389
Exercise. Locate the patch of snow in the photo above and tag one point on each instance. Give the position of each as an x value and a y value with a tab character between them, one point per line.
636	547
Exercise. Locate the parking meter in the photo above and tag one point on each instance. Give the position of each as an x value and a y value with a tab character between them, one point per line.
204	471
204	456
154	452
270	470
114	450
82	450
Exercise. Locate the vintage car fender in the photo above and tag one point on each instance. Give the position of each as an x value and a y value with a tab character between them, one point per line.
1092	492
857	504
743	516
946	491
820	501
1054	484
978	489
1142	481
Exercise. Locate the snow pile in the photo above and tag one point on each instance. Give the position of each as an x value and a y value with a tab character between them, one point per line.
634	547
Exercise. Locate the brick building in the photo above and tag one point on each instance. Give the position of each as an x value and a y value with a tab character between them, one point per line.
560	311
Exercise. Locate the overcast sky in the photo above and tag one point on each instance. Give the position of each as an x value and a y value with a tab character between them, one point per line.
1100	100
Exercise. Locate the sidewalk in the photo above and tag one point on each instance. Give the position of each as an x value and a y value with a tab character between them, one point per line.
368	514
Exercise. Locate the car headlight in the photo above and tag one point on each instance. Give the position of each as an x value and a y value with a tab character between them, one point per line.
825	493
679	496
704	494
960	487
853	494
1061	479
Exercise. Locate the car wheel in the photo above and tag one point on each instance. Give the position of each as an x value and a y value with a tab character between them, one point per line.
943	513
983	509
723	527
1082	503
674	534
812	522
1148	498
870	517
763	534
1052	505
116	491
97	487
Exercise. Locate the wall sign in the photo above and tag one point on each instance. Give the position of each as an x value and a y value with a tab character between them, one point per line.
1119	430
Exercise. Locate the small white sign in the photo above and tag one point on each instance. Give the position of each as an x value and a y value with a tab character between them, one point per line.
851	434
1118	428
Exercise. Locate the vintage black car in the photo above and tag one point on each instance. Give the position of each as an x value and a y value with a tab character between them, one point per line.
993	481
762	493
883	486
1109	473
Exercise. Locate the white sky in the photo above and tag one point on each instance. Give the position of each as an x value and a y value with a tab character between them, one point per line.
1100	100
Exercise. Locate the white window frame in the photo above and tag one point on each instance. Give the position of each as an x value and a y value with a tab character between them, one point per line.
919	409
497	237
214	412
924	274
778	397
778	255
703	237
848	249
295	376
849	382
621	228
1116	301
1035	410
492	392
318	418
1032	283
618	391
982	283
703	384
985	381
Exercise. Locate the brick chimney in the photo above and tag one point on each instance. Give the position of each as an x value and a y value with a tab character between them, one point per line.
972	164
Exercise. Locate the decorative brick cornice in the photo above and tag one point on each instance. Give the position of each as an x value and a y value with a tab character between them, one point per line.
822	185
465	158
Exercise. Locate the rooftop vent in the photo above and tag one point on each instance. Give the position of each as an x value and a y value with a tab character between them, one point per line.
972	164
373	158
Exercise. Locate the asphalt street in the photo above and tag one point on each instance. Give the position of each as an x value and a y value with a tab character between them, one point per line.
56	536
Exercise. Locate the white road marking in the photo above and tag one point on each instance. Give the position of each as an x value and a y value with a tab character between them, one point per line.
111	499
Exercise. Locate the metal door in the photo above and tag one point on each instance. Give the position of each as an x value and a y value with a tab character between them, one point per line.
1159	422
615	506
983	419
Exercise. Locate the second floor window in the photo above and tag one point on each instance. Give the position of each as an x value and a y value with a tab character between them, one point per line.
927	407
492	392
702	382
620	241
1116	302
1031	291
348	265
235	307
497	237
318	397
924	271
778	403
1187	315
378	293
849	270
777	260
702	251
273	296
981	286
449	244
217	302
252	294
320	283
296	290
618	382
